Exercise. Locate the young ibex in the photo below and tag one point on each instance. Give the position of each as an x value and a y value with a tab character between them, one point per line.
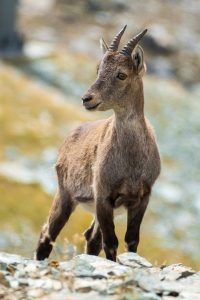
109	163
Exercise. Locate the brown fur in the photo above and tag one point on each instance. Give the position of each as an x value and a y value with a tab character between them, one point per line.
108	163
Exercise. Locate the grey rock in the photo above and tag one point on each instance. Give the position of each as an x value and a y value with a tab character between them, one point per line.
3	266
11	258
159	40
98	267
176	271
90	277
133	260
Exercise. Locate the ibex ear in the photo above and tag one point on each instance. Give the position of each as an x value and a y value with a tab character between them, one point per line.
138	60
103	45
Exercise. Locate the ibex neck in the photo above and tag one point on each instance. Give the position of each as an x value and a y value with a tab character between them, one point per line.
129	126
133	107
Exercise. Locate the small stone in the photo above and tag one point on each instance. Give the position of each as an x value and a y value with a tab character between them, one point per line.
14	284
189	295
85	289
176	271
3	280
54	263
3	266
167	298
2	293
57	285
31	267
19	273
82	266
133	260
11	269
36	293
148	296
23	282
44	272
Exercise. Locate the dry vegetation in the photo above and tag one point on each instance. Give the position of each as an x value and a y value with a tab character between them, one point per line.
32	117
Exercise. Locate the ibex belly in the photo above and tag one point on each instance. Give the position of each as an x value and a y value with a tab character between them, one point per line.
90	207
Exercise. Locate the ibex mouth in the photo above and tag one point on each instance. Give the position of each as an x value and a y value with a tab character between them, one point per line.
92	107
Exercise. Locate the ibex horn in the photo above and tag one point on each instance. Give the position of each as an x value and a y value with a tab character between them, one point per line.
115	43
128	49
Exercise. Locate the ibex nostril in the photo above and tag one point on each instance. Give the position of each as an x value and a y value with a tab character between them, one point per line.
87	98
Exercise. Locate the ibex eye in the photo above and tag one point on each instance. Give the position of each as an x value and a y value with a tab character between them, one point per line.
121	76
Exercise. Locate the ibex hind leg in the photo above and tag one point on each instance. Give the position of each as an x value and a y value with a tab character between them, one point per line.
59	214
94	239
88	232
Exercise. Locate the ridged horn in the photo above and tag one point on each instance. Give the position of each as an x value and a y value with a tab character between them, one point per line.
115	43
128	49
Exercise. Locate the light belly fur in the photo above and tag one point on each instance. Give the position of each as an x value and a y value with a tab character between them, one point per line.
89	206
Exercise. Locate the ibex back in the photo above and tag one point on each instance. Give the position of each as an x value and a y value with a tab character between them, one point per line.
111	163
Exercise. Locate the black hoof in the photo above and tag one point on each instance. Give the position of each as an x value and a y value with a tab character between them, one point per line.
43	250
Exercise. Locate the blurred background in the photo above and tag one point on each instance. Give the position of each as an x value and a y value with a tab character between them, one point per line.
48	55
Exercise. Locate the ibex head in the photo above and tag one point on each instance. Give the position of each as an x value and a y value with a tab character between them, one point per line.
118	75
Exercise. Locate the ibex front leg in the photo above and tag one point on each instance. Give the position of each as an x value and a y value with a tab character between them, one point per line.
104	212
135	216
59	214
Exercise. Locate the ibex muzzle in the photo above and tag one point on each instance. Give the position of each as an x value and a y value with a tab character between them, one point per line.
108	164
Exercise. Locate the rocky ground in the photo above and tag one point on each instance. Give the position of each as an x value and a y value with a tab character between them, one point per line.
90	277
40	102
